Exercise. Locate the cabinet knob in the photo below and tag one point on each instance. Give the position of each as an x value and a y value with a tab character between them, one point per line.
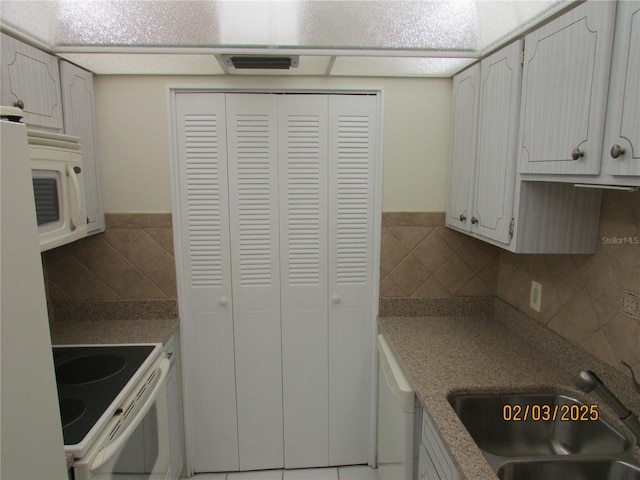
577	153
19	103
335	299
616	151
462	218
223	302
474	220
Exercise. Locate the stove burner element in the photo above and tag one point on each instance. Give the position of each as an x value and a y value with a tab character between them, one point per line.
71	409
94	375
89	369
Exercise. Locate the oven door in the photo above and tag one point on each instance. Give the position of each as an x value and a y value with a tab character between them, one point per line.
140	451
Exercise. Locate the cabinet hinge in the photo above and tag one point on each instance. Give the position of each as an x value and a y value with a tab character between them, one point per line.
522	57
511	227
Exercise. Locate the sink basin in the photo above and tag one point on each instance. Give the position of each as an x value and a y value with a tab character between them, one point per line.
88	369
570	469
483	416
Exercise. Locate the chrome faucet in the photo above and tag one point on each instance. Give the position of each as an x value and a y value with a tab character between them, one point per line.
587	381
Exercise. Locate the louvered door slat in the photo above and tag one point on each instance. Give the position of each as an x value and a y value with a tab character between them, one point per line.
352	154
302	128
253	193
204	267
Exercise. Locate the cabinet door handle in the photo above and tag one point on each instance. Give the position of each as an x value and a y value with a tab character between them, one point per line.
616	151
223	302
462	218
474	220
577	153
335	299
19	103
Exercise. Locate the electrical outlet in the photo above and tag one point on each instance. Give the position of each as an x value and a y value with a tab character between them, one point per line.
535	300
630	304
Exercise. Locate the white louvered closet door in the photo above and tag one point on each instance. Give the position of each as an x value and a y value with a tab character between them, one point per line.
206	279
352	156
302	129
254	220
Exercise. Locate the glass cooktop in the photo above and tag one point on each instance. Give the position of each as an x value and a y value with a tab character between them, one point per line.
89	378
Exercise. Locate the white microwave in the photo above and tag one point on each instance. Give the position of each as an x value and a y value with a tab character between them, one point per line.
58	188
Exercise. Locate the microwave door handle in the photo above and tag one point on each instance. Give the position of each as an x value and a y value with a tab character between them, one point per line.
71	173
114	448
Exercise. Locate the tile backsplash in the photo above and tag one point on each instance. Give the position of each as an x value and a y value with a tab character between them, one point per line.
132	260
582	294
420	257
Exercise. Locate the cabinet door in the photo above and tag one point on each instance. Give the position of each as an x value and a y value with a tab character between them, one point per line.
466	98
564	91
501	78
32	77
623	114
353	131
79	120
255	257
302	138
205	260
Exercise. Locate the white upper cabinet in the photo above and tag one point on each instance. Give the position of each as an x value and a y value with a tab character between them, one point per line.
79	120
621	148
485	130
464	128
31	81
566	74
500	83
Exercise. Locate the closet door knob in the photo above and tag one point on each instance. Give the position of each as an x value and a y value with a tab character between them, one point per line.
223	302
19	103
462	218
474	220
616	151
335	299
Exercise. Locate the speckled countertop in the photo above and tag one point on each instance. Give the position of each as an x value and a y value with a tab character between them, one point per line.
94	322
502	352
142	330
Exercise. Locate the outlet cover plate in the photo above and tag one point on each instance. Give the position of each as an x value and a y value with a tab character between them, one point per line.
630	304
535	300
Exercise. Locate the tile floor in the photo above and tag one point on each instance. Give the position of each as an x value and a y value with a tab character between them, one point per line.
341	473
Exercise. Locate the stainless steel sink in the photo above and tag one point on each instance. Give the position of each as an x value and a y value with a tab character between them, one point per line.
498	426
538	436
570	469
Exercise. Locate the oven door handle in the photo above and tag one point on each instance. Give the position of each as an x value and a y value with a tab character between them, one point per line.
112	449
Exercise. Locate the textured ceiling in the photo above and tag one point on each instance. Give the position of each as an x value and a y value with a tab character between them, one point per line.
387	37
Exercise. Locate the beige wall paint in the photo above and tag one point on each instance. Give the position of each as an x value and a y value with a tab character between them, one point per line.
134	152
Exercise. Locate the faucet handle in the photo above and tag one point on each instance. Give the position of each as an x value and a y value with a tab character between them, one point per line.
635	382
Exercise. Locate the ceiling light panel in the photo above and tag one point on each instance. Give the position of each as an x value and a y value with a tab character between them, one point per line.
430	25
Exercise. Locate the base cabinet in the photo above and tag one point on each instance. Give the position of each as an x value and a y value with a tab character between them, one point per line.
434	462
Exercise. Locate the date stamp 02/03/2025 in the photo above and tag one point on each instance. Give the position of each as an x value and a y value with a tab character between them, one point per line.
550	413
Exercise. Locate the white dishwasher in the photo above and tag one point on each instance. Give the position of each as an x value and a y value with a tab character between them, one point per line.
396	456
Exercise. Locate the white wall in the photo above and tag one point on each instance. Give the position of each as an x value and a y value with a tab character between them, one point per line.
133	144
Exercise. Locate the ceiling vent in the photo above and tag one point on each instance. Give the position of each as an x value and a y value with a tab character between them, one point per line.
261	62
